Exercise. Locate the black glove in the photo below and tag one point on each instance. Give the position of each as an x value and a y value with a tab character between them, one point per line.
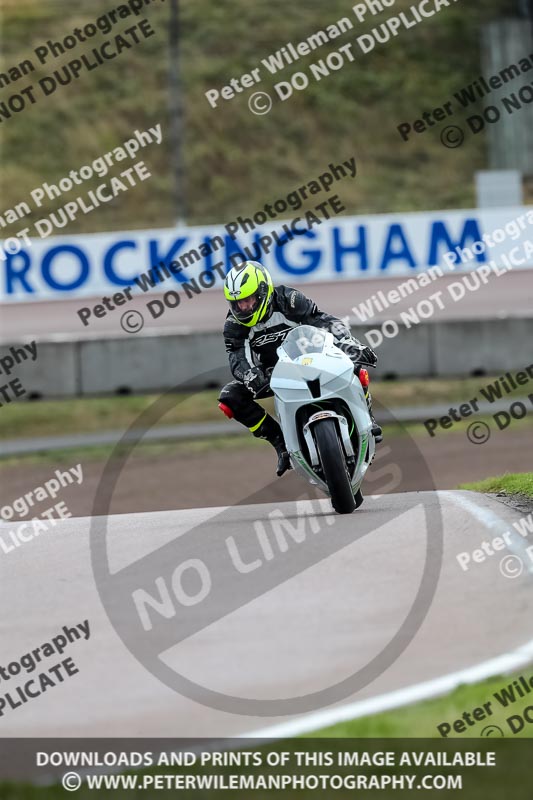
359	353
368	356
256	381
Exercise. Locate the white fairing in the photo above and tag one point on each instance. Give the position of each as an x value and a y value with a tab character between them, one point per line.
307	356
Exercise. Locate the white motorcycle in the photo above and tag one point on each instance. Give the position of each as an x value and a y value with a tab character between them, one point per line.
321	407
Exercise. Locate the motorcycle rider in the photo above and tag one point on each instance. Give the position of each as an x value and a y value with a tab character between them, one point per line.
258	321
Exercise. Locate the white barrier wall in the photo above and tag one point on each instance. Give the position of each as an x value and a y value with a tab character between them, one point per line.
385	245
198	361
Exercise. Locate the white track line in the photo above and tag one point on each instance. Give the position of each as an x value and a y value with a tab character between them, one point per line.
505	663
486	516
515	543
386	702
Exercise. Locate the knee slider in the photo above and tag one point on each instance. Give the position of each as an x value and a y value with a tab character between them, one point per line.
228	399
226	410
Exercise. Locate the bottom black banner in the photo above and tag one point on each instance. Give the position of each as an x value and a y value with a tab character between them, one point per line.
304	768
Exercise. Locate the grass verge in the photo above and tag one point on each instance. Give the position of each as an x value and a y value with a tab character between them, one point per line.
90	414
417	722
355	111
517	483
421	719
142	450
103	452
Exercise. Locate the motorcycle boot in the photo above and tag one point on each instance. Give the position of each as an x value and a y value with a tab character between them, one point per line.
270	430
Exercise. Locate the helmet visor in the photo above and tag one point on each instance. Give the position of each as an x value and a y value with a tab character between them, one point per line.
245	308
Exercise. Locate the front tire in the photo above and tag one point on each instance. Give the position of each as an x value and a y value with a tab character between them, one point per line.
334	466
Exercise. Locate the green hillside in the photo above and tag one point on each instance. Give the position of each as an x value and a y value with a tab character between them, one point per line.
236	162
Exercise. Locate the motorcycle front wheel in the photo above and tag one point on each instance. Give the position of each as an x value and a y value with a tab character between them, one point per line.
334	466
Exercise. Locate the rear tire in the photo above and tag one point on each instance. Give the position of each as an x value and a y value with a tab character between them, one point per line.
334	466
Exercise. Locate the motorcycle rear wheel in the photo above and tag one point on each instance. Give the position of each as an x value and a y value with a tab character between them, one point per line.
334	466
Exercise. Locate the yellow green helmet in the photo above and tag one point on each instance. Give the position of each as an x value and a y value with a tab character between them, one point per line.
248	289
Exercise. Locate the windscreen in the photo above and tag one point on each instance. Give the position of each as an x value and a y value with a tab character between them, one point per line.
304	339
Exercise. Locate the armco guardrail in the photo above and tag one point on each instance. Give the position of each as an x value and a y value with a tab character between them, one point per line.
456	348
152	363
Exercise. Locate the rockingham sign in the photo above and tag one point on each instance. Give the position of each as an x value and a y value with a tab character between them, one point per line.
339	248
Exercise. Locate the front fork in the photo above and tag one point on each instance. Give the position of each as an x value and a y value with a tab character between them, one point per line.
344	432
